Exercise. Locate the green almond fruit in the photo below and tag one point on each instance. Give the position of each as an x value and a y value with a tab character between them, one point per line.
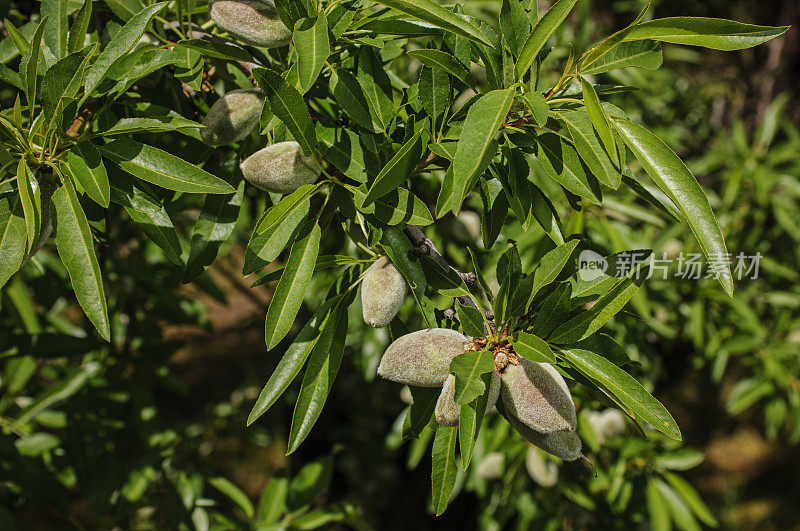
422	358
447	411
253	22
281	168
537	396
383	291
232	117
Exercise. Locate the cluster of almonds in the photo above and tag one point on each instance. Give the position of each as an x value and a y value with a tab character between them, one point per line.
280	168
535	398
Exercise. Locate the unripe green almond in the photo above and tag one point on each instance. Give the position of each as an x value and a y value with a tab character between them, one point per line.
383	290
542	471
254	22
232	117
281	168
467	226
422	358
447	411
491	466
537	395
563	444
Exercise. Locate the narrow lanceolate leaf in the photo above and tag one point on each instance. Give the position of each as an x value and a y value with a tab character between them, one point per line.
443	467
588	322
60	87
597	52
468	368
291	289
469	422
599	118
477	146
292	361
431	12
398	248
74	243
311	42
398	169
120	45
537	104
715	33
471	320
29	64
590	147
288	105
86	165
321	370
551	265
55	36
533	348
542	31
12	236
625	388
397	207
156	124
421	410
213	228
31	198
677	182
348	93
644	54
77	33
561	161
377	88
161	168
443	279
440	60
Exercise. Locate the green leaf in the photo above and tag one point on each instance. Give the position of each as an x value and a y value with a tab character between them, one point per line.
589	146
292	361
56	35
599	118
469	422
692	498
348	93
537	104
625	388
60	86
542	31
476	146
635	54
588	322
312	46
434	93
29	64
218	50
77	33
398	248
714	33
288	105
161	168
234	493
291	289
31	198
397	207
272	502
443	467
120	45
440	60
376	87
554	310
12	236
468	368
74	243
156	124
398	169
597	52
657	508
321	370
147	211
677	182
546	215
84	163
213	228
533	348
561	161
551	265
444	280
681	514
421	410
433	13
471	320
